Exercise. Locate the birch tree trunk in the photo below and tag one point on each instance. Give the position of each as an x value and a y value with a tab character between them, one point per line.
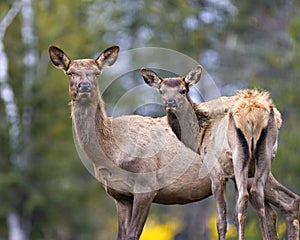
6	91
19	225
29	61
15	230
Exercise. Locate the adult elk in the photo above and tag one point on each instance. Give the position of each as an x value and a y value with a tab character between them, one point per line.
127	150
238	143
137	159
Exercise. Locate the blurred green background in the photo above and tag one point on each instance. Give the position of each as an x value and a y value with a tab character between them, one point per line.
45	191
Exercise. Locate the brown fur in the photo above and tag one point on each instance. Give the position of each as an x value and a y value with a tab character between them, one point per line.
251	113
173	82
122	147
218	143
152	147
249	102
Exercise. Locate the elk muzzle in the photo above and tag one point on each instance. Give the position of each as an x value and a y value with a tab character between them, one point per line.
84	87
170	105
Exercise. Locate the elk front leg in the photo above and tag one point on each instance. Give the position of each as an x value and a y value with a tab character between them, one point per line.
141	206
219	193
124	210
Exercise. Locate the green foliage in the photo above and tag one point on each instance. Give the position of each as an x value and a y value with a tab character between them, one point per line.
55	192
252	46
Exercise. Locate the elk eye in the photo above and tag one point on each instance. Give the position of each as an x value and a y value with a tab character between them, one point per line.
183	91
70	74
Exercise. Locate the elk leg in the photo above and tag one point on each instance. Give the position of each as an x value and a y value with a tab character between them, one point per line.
242	210
141	207
262	169
241	180
287	202
124	209
271	217
219	193
271	214
218	187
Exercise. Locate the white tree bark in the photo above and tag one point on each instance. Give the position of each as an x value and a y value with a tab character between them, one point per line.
6	91
16	229
30	61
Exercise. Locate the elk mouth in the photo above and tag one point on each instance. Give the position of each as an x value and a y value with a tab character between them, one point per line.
171	109
84	90
171	106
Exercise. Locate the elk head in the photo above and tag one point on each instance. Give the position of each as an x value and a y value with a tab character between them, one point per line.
173	91
83	73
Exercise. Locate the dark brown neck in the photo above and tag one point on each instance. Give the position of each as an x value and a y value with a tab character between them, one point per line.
188	124
184	124
174	124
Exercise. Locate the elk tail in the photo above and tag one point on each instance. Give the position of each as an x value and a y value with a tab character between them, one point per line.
254	116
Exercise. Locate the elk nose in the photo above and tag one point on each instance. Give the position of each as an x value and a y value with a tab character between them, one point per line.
171	104
84	87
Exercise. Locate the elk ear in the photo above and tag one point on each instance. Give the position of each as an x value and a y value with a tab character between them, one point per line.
193	75
108	57
59	59
151	78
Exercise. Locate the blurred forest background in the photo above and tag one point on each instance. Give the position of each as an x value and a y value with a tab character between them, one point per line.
45	191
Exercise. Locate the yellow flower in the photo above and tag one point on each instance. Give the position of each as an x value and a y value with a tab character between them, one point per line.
213	232
159	230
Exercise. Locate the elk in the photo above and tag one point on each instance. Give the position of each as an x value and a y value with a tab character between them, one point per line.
126	149
237	143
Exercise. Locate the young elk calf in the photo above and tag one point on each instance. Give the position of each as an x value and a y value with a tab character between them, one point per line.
239	142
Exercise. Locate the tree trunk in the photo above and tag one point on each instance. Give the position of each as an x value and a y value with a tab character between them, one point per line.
19	226
30	61
6	91
16	230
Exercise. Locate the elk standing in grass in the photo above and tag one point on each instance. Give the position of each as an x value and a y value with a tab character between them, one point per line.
238	143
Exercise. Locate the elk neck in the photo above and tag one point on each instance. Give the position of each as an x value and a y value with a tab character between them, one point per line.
91	123
185	125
